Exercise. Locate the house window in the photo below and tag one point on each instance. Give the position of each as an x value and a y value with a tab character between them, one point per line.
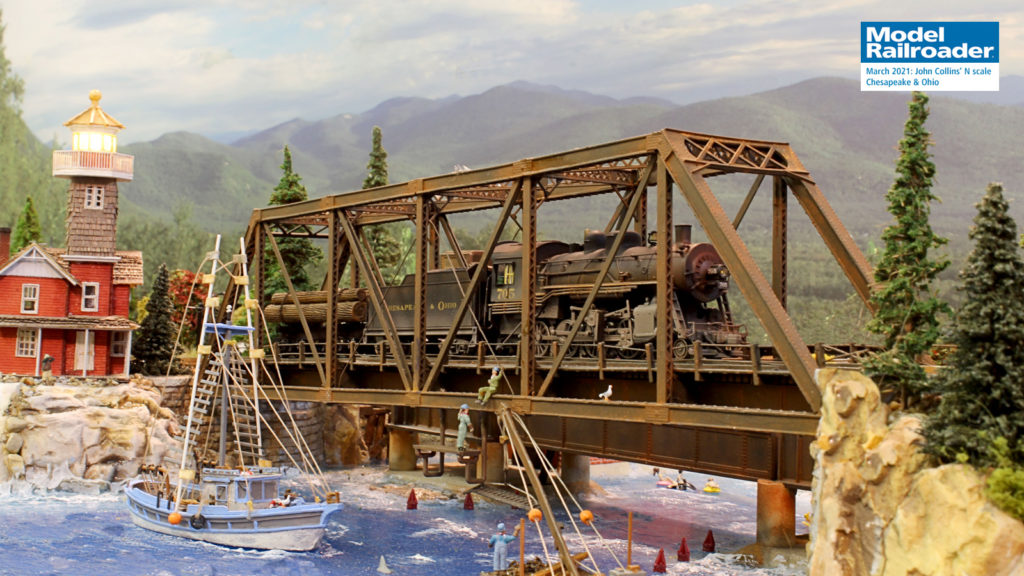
94	197
90	296
118	343
30	298
26	346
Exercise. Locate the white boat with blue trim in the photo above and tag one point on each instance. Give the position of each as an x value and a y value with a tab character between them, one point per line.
232	497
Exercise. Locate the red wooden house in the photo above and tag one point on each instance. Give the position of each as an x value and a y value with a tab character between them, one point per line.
67	309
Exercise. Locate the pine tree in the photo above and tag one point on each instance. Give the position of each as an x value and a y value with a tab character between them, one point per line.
386	248
297	253
27	229
982	396
289	189
378	165
155	343
907	309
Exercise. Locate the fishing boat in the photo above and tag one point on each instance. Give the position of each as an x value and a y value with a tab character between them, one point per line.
231	497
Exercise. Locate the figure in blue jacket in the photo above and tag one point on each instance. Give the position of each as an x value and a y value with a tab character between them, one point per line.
500	544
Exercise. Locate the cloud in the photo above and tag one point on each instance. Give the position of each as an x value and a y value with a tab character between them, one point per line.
216	66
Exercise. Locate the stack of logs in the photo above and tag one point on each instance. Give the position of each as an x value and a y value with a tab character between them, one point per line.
349	306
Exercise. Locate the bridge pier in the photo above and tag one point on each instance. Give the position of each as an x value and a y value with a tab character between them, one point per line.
401	454
576	472
493	462
776	514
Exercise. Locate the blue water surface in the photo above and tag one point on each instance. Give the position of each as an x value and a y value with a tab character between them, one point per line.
58	533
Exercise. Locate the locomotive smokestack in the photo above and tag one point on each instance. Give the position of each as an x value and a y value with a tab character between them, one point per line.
682	234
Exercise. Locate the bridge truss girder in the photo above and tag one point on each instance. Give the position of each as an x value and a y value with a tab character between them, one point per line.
668	159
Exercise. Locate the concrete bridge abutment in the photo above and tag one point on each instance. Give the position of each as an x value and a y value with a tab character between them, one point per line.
776	514
401	454
576	472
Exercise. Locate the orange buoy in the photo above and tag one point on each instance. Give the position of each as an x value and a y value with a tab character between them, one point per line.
174	518
659	563
709	542
683	554
412	502
586	517
534	515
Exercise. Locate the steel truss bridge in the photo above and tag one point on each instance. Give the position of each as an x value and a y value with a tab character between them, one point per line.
750	414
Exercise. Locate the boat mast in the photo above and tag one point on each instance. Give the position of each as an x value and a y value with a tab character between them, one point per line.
253	355
190	425
225	369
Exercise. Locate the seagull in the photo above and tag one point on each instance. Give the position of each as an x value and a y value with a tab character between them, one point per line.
606	394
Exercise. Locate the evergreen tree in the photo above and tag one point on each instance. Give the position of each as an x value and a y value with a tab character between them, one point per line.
386	248
982	396
297	253
378	165
907	310
27	229
155	343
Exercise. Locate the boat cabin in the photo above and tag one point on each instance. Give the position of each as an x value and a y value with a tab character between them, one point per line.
235	488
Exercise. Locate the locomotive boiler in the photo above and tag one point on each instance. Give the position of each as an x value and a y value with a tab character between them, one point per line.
623	318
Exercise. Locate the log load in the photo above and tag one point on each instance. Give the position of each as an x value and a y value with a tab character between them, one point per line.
350	311
320	297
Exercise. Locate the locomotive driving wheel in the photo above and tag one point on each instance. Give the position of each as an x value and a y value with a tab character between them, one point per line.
680	349
541	332
627	353
563	329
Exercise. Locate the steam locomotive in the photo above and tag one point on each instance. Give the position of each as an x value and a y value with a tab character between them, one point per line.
623	317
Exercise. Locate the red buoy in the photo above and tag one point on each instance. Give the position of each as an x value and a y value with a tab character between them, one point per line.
468	504
412	502
659	563
683	554
709	542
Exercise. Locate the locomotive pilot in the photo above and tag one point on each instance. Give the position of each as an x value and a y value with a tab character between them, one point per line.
484	394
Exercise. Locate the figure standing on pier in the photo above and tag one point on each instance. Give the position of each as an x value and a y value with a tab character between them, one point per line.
464	425
484	394
500	544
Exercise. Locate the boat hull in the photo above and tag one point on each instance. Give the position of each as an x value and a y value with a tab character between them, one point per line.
298	528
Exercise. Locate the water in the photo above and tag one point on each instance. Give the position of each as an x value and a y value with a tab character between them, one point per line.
60	533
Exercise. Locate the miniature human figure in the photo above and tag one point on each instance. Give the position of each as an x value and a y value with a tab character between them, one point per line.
711	485
683	483
500	544
47	366
464	425
484	394
284	502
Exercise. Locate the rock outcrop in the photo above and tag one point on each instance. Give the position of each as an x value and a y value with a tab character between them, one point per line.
878	509
81	433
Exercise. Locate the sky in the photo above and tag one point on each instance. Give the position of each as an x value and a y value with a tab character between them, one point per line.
230	67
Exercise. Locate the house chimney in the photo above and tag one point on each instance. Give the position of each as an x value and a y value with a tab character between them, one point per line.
5	246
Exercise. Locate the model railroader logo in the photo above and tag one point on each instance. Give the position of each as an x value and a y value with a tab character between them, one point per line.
933	56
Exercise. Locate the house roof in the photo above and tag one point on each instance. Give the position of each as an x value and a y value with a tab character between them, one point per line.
70	322
94	115
49	257
127	270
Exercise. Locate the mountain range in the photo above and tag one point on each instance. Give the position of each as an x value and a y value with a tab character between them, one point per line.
845	137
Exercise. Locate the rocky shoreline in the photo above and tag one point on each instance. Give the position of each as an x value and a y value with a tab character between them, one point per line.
81	434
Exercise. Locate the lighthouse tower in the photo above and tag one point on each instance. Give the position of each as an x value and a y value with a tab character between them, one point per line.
94	167
65	311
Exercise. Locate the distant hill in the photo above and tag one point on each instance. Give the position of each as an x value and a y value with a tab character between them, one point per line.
846	138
